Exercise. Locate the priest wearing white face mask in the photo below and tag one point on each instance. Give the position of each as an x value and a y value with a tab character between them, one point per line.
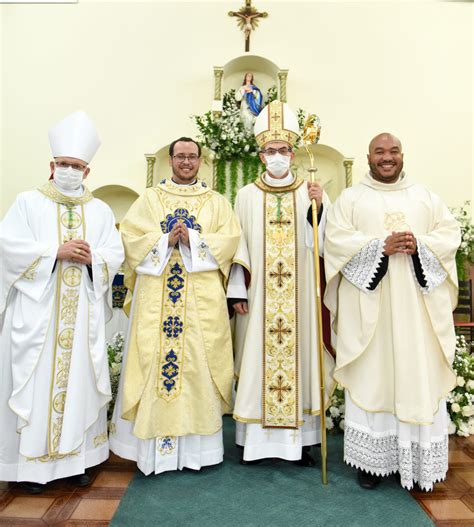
60	251
271	289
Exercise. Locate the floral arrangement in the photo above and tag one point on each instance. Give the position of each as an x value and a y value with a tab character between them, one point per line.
233	147
461	399
115	355
336	411
225	135
465	253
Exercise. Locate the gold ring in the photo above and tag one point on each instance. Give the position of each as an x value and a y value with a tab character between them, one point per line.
77	251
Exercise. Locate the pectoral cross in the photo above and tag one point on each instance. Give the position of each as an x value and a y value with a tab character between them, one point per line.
248	20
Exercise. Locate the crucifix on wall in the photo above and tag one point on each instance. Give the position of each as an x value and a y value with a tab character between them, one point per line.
248	20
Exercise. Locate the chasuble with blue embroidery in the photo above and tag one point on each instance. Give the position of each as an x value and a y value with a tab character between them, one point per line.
179	368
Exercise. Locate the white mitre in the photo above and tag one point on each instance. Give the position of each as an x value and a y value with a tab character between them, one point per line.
276	122
74	136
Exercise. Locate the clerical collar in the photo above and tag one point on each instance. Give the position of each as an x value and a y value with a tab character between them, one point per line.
402	182
283	182
183	184
287	184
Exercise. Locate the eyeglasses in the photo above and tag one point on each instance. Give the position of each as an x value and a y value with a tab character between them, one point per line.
284	151
75	166
192	158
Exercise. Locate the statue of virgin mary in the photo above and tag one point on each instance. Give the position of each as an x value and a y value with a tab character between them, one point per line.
251	101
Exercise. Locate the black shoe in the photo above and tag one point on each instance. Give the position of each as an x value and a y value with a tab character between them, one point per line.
307	460
81	480
366	480
32	487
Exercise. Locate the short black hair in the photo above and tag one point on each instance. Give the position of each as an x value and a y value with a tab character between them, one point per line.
185	140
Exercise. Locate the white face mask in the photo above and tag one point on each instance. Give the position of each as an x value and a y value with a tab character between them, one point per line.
278	165
68	178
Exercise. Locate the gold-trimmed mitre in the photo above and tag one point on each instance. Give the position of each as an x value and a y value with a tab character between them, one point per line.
276	122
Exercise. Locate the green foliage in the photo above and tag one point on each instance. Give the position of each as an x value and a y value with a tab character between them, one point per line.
336	411
465	252
461	399
220	176
234	175
114	355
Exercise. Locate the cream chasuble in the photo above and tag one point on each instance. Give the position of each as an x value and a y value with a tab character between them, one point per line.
54	395
395	344
178	374
276	342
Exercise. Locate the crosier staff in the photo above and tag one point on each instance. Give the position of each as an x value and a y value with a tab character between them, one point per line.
311	133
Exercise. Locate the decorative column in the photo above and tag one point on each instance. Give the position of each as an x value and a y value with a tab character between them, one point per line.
150	163
217	102
282	77
348	168
218	73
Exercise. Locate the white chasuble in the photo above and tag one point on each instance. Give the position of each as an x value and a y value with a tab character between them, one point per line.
56	383
276	342
177	377
395	343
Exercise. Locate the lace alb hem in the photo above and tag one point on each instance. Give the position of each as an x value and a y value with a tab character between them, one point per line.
360	270
424	465
432	269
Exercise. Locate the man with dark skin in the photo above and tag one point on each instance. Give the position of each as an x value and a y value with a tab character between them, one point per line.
385	159
391	287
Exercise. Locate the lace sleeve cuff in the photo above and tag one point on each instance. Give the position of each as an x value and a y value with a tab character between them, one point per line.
431	268
362	269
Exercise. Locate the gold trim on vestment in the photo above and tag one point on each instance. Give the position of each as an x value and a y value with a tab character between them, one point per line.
100	439
280	398
51	192
179	190
54	457
69	275
30	273
243	264
251	421
260	183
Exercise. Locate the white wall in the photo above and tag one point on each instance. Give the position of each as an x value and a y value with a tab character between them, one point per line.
141	69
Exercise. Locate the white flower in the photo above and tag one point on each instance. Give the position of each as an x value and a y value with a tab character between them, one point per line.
115	369
460	381
334	411
455	408
470	384
451	427
467	411
342	408
463	429
329	423
341	424
470	424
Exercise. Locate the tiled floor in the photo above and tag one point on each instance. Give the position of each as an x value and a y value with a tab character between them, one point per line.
451	504
62	505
